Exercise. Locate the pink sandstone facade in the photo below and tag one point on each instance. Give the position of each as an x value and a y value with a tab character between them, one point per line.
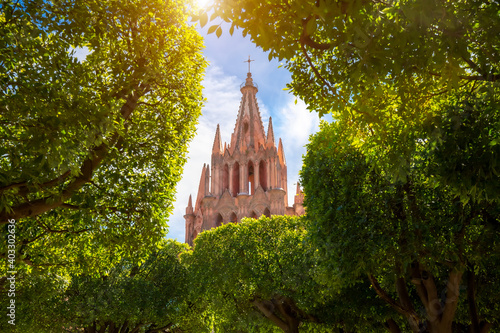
248	177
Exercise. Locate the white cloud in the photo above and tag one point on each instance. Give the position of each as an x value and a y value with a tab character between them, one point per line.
223	99
293	124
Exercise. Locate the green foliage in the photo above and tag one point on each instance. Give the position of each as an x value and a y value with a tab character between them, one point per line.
236	264
91	149
365	223
464	145
381	65
146	297
264	268
403	188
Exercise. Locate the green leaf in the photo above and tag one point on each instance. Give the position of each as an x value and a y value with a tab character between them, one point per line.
311	27
212	29
203	19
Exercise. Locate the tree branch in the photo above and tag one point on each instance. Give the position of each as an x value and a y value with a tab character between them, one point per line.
305	38
434	304
69	206
416	279
124	327
270	314
322	79
410	314
285	308
11	186
406	303
136	328
155	330
48	229
40	206
472	64
24	185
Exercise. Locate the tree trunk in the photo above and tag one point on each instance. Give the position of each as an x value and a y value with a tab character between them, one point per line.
471	300
91	329
392	326
485	327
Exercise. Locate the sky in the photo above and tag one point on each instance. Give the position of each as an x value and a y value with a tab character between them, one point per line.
227	69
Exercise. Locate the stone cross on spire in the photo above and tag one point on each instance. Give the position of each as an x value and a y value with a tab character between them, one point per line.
249	60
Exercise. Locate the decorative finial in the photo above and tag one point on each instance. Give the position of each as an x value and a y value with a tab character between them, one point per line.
249	60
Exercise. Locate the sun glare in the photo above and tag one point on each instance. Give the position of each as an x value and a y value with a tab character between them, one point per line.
203	3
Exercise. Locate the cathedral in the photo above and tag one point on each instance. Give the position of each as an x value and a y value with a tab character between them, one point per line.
247	178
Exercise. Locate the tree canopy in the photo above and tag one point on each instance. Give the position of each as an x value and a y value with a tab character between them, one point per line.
91	147
427	253
382	65
259	276
150	297
403	188
254	266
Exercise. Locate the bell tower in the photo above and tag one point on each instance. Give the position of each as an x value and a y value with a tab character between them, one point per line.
248	177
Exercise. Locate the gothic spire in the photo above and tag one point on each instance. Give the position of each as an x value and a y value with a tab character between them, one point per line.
249	129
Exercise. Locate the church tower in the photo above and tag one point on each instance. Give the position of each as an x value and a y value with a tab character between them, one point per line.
248	177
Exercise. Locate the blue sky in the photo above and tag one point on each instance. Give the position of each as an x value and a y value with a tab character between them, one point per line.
226	71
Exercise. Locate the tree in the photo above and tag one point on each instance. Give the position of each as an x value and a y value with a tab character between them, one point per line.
379	64
91	149
264	269
427	253
413	86
151	297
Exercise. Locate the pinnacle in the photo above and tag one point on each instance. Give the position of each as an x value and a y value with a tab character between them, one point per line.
281	153
270	134
217	147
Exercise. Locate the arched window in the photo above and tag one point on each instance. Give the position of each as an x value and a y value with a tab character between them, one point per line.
253	215
263	175
225	178
251	181
233	218
218	220
267	212
236	179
